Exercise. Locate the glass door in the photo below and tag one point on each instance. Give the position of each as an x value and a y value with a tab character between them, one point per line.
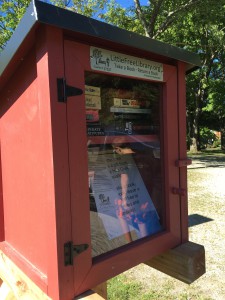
124	165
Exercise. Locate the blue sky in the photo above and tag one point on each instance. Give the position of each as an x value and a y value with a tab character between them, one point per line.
127	3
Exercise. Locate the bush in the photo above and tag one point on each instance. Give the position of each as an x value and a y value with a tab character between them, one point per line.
217	143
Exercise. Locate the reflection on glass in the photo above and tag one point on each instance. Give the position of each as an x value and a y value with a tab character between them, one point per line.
125	178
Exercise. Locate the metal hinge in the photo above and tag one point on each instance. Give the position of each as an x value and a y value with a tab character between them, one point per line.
65	91
71	250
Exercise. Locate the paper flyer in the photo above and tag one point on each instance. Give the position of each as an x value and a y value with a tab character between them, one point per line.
137	210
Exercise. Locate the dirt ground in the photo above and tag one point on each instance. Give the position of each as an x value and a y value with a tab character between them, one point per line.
206	190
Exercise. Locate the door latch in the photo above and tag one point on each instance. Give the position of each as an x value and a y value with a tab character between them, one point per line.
183	162
179	191
71	250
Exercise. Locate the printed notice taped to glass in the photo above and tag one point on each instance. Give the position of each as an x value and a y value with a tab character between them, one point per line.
117	63
122	200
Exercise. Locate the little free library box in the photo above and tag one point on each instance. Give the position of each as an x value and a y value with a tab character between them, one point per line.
93	156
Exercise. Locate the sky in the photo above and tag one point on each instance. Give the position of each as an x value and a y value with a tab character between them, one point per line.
127	3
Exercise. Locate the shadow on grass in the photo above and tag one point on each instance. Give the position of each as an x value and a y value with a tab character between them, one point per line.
196	219
213	151
211	159
208	151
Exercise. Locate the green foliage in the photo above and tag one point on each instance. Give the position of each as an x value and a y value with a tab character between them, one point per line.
12	11
207	137
216	99
122	17
217	143
89	8
10	14
206	36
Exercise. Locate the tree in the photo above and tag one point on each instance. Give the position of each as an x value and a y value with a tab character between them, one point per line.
200	83
12	11
216	108
211	38
195	25
89	8
10	14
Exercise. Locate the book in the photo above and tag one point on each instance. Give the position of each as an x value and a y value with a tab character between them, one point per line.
132	103
92	90
116	109
93	102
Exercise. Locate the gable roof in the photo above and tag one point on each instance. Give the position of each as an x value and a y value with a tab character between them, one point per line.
43	13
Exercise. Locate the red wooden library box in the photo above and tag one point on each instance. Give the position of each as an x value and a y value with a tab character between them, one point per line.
93	149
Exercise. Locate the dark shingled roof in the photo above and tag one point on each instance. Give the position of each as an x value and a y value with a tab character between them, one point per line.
43	13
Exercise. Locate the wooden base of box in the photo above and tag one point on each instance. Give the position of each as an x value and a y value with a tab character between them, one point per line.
14	284
185	262
98	293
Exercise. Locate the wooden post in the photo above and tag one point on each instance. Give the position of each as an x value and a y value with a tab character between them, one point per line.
185	262
6	293
97	293
14	284
101	289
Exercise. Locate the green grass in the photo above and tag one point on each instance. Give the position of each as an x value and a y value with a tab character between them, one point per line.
122	288
208	151
119	288
213	151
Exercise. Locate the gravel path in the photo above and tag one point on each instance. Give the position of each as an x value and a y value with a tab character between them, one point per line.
206	190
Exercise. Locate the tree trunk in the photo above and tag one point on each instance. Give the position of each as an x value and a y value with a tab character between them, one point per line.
195	138
200	95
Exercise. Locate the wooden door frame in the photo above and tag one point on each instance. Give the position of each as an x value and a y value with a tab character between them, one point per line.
87	272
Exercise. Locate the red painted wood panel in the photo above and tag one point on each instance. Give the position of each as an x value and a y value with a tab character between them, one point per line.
181	103
2	225
50	66
35	167
24	164
170	121
74	57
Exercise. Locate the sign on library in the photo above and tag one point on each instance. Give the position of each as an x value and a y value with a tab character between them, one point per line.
117	63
